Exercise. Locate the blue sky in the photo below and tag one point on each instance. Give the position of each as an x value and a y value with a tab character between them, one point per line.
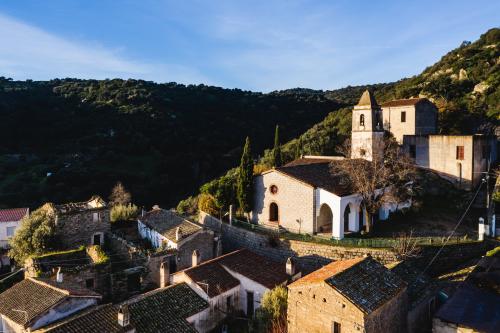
256	45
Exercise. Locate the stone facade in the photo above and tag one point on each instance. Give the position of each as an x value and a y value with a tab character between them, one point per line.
317	308
441	153
202	241
419	118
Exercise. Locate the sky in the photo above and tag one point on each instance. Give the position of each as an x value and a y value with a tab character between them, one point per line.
252	45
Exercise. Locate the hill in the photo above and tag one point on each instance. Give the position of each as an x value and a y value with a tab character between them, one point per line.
464	84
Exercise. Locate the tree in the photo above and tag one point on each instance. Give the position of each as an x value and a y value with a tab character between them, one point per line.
298	148
271	316
119	195
35	236
277	158
244	190
387	179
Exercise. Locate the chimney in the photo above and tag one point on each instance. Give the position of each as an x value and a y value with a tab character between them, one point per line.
164	274
178	234
290	267
195	258
59	275
123	315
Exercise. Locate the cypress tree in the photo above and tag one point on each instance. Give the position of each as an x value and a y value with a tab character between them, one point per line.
298	148
245	179
277	149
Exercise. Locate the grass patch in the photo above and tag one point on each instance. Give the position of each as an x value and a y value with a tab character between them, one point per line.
58	253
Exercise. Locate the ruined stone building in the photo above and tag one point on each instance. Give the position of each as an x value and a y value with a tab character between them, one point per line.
81	223
356	295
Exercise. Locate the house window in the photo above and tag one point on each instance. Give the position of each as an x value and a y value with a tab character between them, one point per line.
228	302
460	152
413	151
11	231
336	327
89	283
273	189
273	212
403	116
95	217
362	120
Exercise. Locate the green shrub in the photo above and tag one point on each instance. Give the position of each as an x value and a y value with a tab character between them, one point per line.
123	212
271	316
188	206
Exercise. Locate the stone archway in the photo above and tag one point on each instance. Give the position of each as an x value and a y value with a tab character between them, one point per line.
325	219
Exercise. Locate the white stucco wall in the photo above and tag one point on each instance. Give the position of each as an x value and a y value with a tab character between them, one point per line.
154	237
393	124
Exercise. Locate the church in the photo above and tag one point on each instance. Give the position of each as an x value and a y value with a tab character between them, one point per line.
304	196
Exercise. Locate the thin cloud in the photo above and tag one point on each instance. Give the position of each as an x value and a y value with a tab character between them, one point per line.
28	52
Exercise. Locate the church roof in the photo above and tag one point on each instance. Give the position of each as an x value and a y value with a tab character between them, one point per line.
367	99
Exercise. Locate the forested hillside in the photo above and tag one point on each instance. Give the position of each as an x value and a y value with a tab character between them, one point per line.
67	139
464	84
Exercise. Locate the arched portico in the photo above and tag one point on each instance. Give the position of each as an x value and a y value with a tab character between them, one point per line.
325	219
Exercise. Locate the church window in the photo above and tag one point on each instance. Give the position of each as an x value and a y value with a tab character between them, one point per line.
362	120
460	152
403	116
273	189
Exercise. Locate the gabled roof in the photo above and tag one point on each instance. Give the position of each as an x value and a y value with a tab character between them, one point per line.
319	174
363	281
95	202
161	310
13	214
404	102
214	276
166	222
367	99
30	298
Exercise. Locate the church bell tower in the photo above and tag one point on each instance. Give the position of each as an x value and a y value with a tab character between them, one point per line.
367	128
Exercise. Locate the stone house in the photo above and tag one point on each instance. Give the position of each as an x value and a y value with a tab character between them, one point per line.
458	158
81	223
356	295
412	116
35	303
234	282
166	229
174	309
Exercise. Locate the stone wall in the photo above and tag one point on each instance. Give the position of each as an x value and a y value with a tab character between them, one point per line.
203	241
309	256
78	228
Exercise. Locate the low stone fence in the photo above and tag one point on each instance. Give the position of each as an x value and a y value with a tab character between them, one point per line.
310	256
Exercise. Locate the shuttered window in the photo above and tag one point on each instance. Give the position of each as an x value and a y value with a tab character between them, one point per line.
460	152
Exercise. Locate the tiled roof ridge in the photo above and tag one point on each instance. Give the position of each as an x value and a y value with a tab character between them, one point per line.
7	214
404	101
215	259
147	294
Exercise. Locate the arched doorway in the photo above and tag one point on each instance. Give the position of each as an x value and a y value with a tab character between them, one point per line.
325	219
273	212
347	213
361	218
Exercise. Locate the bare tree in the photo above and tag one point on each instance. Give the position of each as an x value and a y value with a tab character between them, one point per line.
119	195
386	179
406	246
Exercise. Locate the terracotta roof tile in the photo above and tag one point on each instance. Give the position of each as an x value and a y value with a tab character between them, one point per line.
161	310
32	297
166	222
363	281
213	275
404	102
13	214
